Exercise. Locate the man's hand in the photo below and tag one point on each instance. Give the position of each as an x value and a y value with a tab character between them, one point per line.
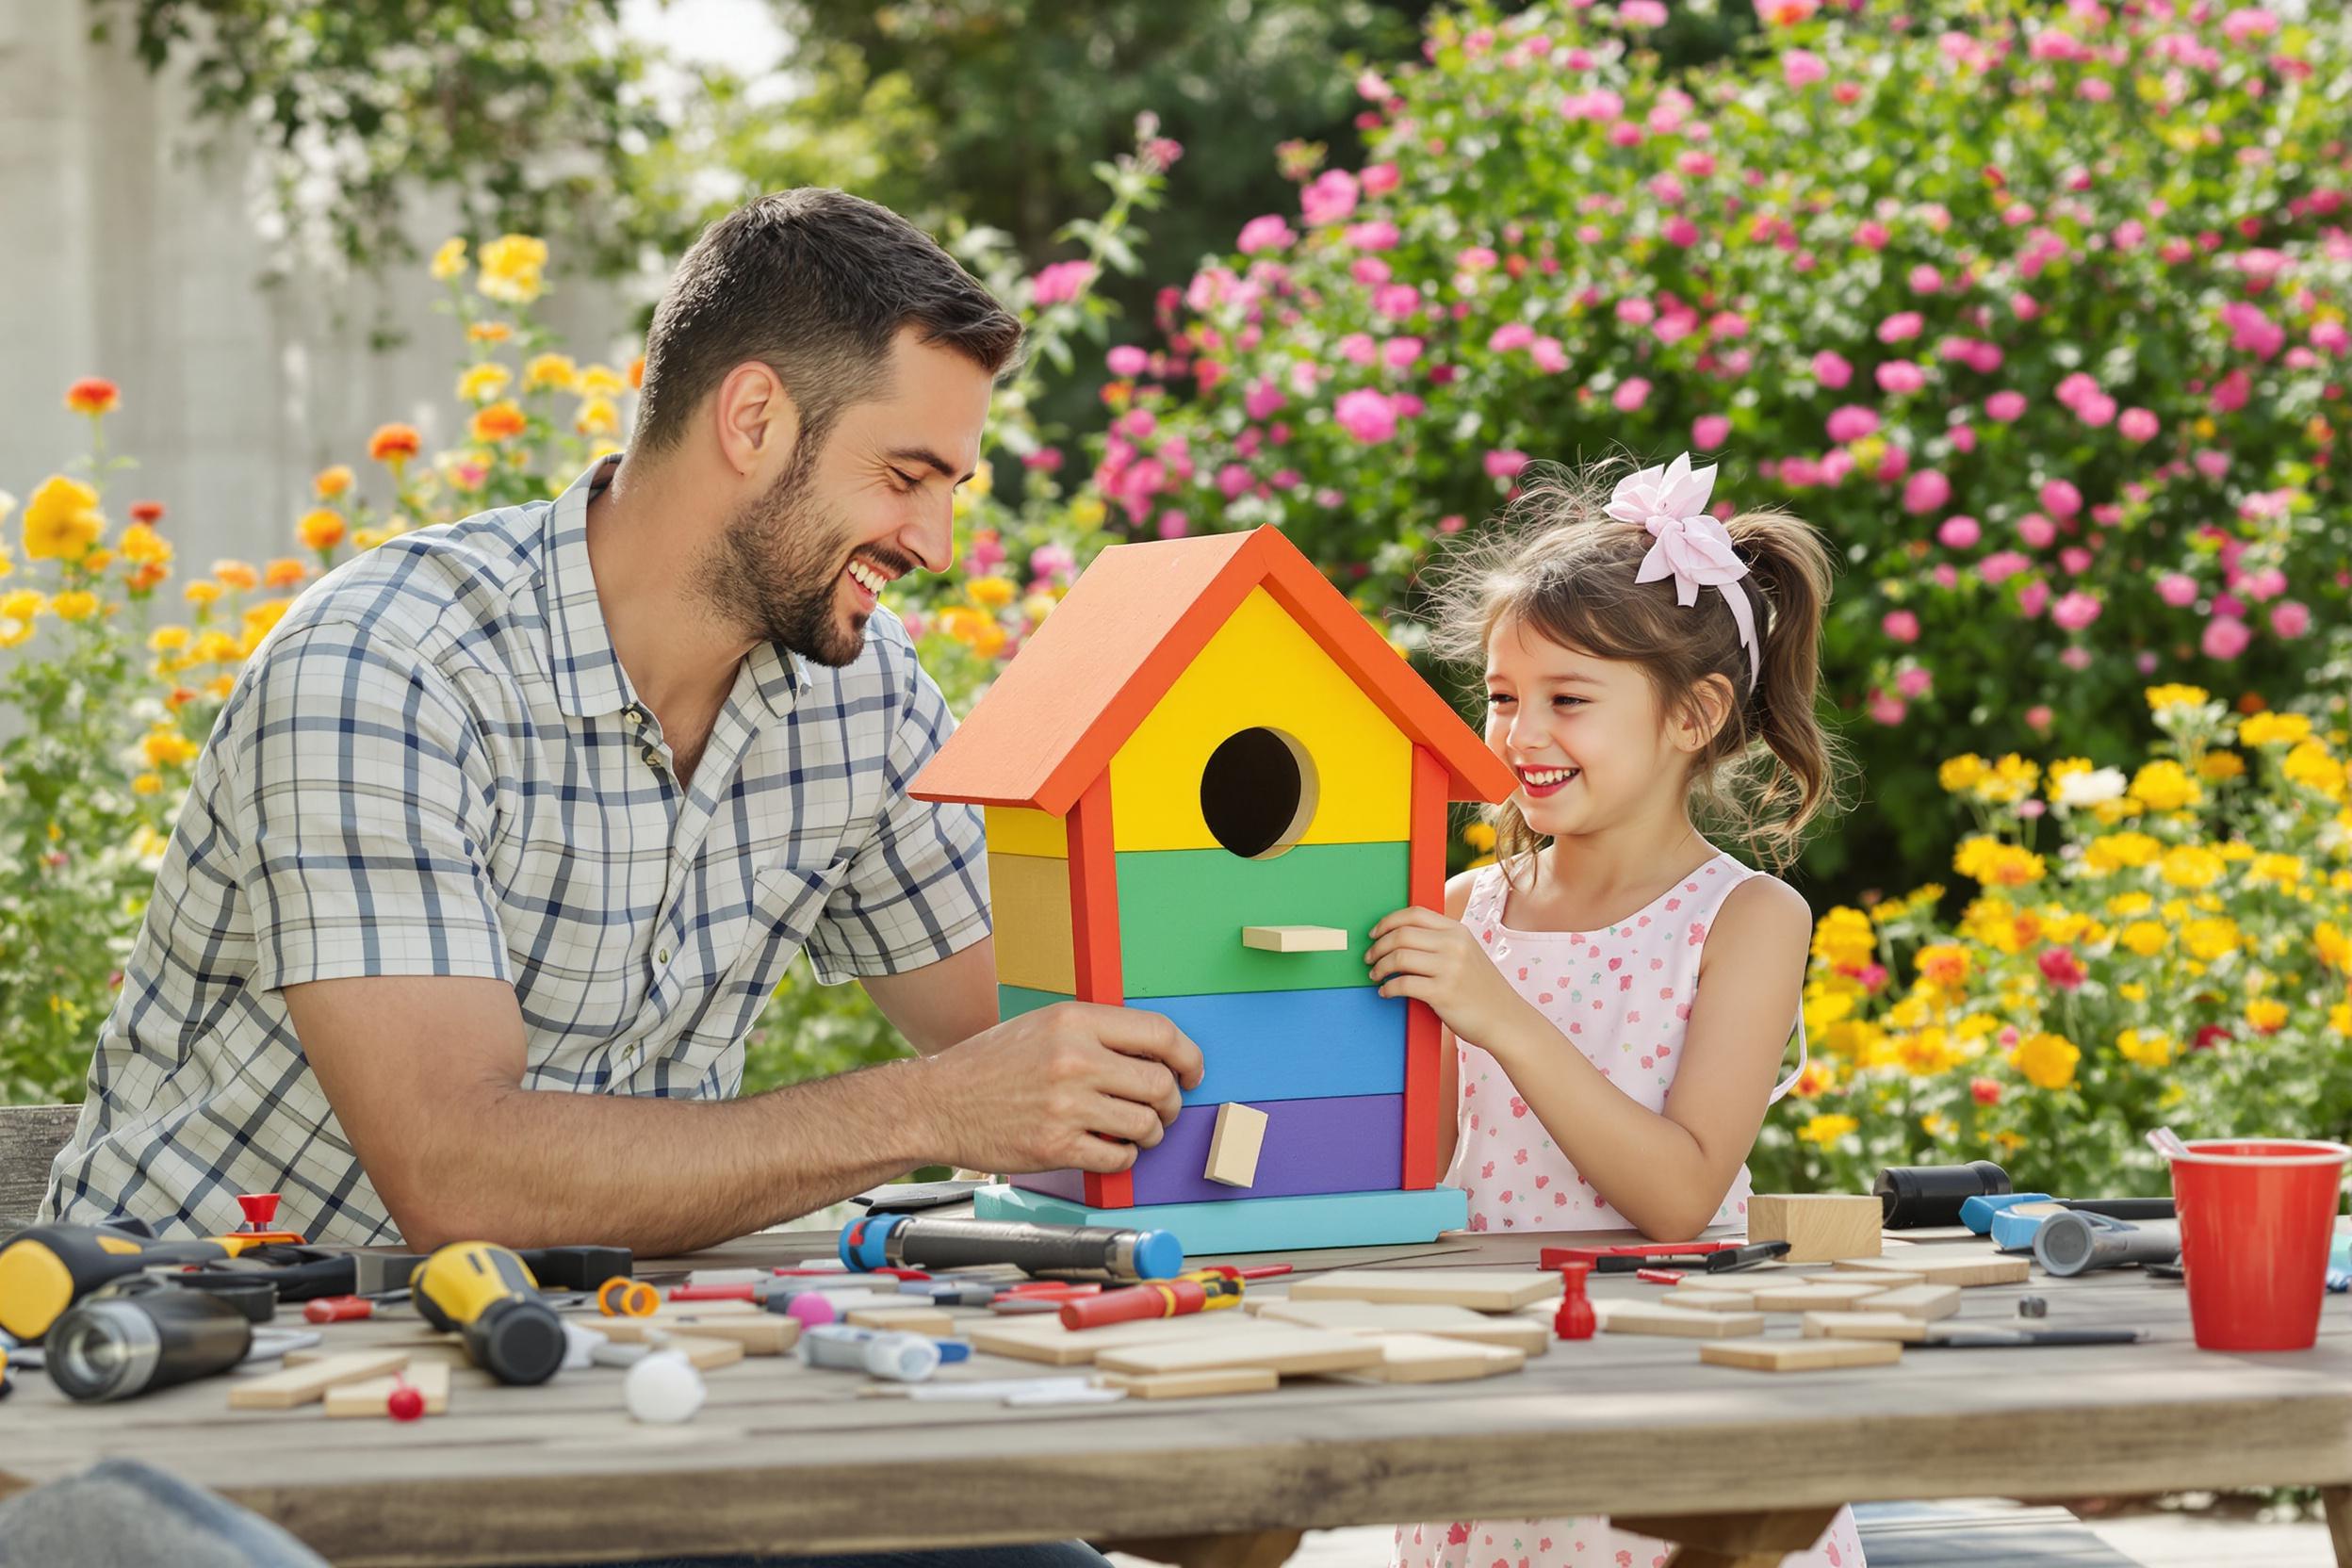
1072	1086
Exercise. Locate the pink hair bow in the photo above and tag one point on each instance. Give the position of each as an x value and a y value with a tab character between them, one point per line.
1691	547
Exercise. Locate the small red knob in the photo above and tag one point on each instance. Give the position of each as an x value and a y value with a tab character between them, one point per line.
406	1402
1575	1319
260	1209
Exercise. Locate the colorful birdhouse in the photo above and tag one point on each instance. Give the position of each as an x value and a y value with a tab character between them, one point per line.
1205	778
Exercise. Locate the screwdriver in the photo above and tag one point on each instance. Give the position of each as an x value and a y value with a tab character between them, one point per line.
1202	1290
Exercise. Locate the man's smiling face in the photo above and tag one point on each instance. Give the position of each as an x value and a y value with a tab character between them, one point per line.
804	564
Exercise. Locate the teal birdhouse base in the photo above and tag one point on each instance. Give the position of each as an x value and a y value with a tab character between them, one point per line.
1257	1224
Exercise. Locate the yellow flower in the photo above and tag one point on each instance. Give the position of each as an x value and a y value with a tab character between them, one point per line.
488	332
484	381
284	572
2132	991
201	593
2267	1016
2161	697
321	530
2334	949
2126	905
2270	730
2144	937
22	604
1479	835
1843	940
2011	781
168	639
62	520
597	417
2145	1047
165	747
602	381
147	784
982	479
1994	863
1088	511
1961	773
2283	870
2046	1060
2115	851
76	605
220	686
512	268
14	632
2308	764
2191	866
449	260
991	593
2166	786
545	370
1945	964
143	547
236	576
2221	765
1928	1054
2210	939
1826	1130
368	538
331	483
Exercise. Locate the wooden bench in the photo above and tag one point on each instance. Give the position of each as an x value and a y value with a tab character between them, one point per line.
30	1136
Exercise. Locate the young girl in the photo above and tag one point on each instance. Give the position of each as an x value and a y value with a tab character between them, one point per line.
1619	990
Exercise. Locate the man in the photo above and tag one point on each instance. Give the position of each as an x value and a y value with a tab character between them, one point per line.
513	825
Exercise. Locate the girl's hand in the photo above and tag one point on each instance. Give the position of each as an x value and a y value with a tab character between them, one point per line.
1432	958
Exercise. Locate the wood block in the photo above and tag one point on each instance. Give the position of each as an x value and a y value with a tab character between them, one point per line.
1428	1359
1029	910
760	1334
300	1385
1892	1279
1926	1303
910	1321
703	1354
1964	1265
1823	1297
1192	1385
1650	1318
1351	1143
1820	1227
1295	938
446	1347
428	1378
1799	1355
1863	1324
1523	1334
1483	1289
1279	1347
1709	1298
1045	1340
1234	1144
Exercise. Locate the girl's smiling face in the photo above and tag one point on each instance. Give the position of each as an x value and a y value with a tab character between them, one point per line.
1584	735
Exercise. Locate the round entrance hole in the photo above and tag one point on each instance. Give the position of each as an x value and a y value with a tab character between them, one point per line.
1257	792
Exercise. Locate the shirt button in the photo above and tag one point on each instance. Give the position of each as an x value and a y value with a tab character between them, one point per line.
653	758
662	956
633	716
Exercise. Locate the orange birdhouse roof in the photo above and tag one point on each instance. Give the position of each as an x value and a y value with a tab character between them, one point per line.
1134	621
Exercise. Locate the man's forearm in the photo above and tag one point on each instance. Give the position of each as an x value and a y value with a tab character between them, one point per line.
543	1168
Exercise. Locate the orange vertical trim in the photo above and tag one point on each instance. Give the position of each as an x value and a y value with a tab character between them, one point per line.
1094	930
1424	886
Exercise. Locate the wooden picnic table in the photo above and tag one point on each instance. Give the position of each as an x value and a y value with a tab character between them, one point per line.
783	1457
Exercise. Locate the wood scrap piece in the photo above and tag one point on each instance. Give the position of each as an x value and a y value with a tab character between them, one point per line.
430	1379
1815	1297
1653	1317
704	1354
1863	1324
1482	1289
300	1385
1295	938
1799	1355
1428	1359
1524	1334
1926	1303
760	1334
1194	1385
1044	1339
1820	1227
1280	1347
1961	1264
447	1347
1234	1144
1708	1299
908	1320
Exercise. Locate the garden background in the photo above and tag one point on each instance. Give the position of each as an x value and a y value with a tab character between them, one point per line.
2037	310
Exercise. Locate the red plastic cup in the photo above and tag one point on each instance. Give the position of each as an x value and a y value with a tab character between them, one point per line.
2256	1217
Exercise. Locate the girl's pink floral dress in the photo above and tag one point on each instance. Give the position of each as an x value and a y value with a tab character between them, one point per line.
1623	996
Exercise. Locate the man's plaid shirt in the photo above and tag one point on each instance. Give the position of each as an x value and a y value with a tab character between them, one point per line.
435	765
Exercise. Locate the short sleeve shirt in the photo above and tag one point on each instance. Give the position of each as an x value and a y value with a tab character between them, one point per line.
436	765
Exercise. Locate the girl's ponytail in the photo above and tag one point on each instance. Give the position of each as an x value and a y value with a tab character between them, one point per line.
1790	570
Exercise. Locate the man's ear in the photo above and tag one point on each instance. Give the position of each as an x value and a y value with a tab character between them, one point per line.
754	418
1702	714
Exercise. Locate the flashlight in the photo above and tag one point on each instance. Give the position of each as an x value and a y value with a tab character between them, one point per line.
120	1346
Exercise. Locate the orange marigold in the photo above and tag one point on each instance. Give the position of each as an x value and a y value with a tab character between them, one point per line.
284	572
235	575
637	374
499	422
394	443
93	395
332	482
150	513
321	530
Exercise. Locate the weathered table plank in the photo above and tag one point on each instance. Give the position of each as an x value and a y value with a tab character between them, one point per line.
786	1458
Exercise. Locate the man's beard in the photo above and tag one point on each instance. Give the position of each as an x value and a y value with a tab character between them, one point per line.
777	567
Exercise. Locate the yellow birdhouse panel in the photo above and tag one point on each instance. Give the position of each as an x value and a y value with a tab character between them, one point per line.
1019	830
1262	713
1029	905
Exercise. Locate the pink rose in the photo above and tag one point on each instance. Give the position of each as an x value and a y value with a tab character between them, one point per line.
1959	534
1061	283
1800	67
1378	179
1398	354
2137	424
1900	327
1831	369
1549	355
1851	423
2225	637
2033	598
2289	618
2075	611
1900	625
1127	360
2176	590
2004	406
2060	497
1925	490
1269	233
1505	464
1885	708
1631	393
1378	233
2002	566
1368	415
1900	376
1710	431
1914	681
1331	199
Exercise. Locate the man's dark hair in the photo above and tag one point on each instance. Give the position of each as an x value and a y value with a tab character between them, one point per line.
816	284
